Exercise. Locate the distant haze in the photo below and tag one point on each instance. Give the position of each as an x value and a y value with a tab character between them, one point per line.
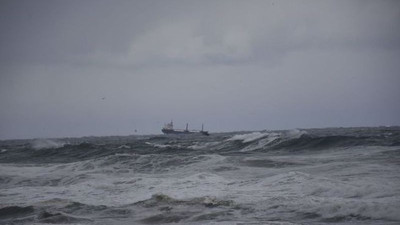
94	67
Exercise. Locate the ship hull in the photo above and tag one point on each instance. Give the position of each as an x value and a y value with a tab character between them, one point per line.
170	131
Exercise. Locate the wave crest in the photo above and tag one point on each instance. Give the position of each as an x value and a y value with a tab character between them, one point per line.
162	199
245	138
38	144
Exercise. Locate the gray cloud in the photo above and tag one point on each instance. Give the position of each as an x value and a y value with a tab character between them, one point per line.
72	68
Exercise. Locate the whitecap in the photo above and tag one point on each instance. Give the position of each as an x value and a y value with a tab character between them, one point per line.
198	146
249	137
157	145
124	146
261	143
294	133
38	144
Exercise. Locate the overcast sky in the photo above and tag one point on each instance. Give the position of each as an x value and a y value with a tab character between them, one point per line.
94	67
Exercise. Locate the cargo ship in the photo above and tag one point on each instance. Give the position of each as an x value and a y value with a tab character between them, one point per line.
169	129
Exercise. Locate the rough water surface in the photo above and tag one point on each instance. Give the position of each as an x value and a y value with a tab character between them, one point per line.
312	176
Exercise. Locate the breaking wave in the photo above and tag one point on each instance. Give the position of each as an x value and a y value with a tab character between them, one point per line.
313	176
303	140
38	144
245	138
70	150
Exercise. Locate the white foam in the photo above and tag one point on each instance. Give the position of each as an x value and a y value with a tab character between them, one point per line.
245	138
328	197
38	144
265	138
294	133
327	184
191	186
369	208
124	147
198	146
261	143
157	145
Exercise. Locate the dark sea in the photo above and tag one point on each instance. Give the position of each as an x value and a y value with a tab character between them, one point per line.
308	176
